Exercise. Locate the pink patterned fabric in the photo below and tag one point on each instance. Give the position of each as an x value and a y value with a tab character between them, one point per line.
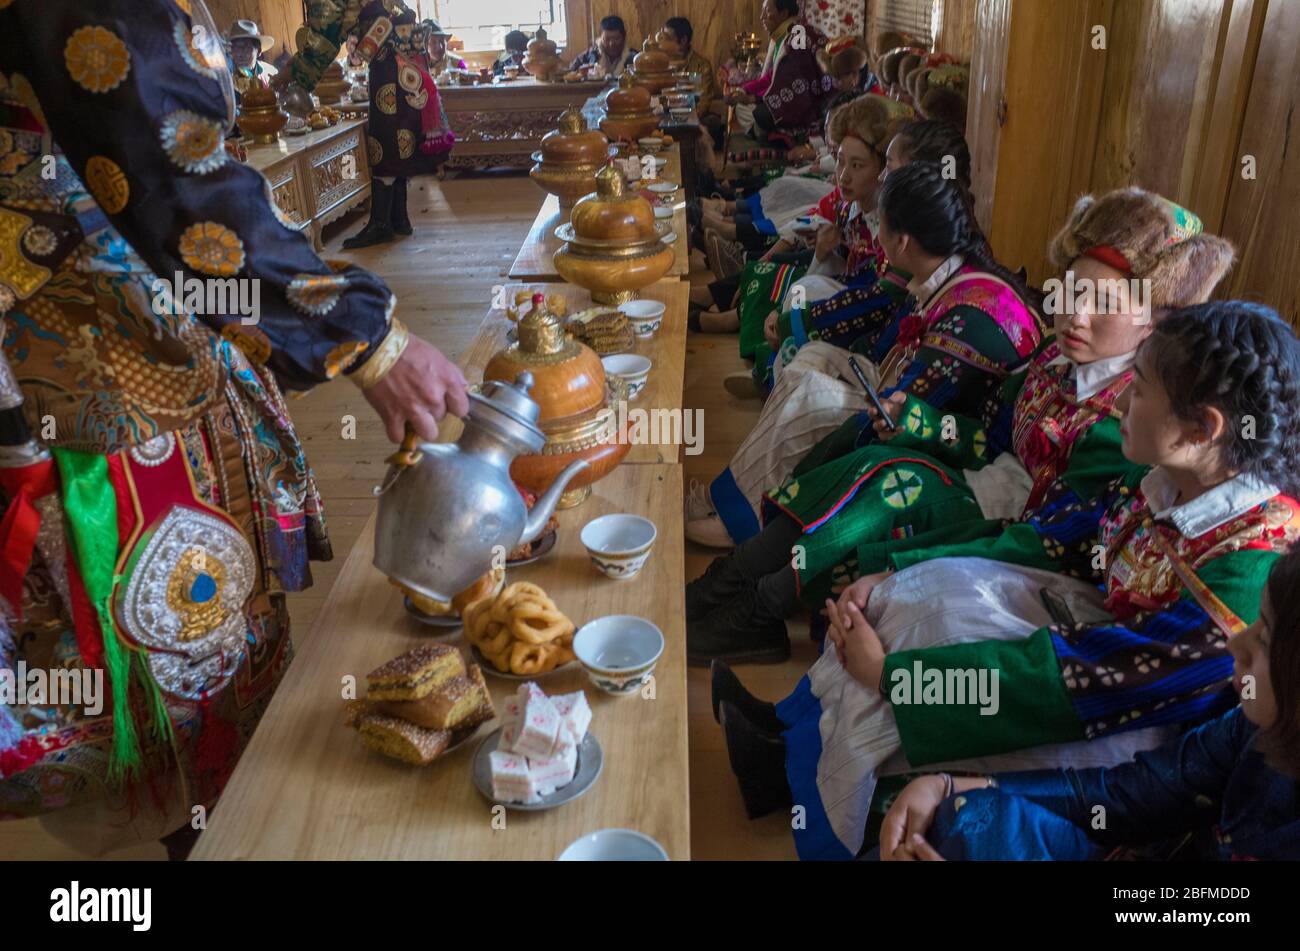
836	17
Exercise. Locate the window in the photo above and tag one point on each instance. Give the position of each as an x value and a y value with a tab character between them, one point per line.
482	24
920	19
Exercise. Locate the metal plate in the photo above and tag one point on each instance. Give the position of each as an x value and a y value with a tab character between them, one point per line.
491	671
446	622
591	760
541	548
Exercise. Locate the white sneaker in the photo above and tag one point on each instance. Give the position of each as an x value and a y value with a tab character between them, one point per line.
710	532
698	502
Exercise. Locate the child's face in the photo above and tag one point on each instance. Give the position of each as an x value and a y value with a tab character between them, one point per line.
1250	673
1154	435
857	171
1105	323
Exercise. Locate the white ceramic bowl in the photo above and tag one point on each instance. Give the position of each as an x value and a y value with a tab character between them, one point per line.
614	845
619	652
651	143
663	211
645	316
631	368
619	544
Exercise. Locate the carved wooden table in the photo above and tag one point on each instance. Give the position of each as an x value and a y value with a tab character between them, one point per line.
503	124
317	177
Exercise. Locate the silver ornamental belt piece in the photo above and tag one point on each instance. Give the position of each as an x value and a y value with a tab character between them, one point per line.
185	598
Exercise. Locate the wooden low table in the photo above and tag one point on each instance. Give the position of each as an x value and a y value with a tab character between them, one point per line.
535	260
666	351
502	124
687	135
306	788
316	177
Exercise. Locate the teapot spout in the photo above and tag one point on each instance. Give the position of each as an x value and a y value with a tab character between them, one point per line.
545	506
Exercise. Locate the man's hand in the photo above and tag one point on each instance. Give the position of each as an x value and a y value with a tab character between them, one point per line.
421	388
828	239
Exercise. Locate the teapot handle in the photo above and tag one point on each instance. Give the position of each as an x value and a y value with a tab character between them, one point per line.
409	453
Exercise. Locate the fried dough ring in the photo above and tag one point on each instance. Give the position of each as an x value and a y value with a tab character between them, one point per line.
530	659
472	615
496	639
535	624
500	660
519	589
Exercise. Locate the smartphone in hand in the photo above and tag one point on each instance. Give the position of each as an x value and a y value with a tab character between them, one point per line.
873	395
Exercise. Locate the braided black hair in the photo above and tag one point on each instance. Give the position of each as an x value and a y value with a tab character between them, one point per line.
1244	360
932	140
920	201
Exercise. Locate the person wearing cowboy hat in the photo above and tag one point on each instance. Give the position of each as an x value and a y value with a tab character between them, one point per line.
247	44
436	50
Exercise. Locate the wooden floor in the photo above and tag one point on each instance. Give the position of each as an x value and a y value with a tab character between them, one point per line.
467	232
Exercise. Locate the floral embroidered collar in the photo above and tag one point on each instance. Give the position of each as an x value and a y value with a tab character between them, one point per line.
924	290
1206	512
1090	378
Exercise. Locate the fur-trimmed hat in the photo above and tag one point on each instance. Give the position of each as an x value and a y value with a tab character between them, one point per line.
939	92
842	56
907	63
873	119
1147	237
888	40
889	62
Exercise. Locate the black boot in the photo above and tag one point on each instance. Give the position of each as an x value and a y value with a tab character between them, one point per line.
758	760
742	631
401	221
720	584
727	688
379	228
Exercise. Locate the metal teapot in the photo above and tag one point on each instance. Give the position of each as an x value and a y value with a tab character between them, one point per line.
446	509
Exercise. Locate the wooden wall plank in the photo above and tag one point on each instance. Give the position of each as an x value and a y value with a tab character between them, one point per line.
1260	215
992	34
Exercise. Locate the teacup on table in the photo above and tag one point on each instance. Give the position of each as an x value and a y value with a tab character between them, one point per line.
645	316
665	193
650	143
614	845
631	368
618	544
619	652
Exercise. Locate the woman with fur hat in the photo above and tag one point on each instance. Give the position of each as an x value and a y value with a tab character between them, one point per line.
844	60
805	365
845	250
1150	581
939	92
1050	428
974	322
